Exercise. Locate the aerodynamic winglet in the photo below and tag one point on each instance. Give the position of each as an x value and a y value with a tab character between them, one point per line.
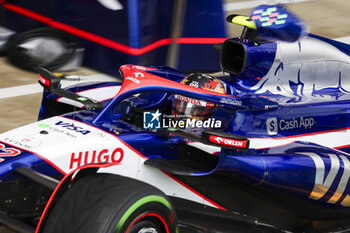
51	83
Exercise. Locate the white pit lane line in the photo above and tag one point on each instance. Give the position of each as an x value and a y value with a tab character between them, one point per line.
36	88
20	90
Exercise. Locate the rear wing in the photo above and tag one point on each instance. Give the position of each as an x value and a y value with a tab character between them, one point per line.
51	83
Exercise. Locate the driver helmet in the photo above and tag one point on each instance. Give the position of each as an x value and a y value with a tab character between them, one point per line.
185	107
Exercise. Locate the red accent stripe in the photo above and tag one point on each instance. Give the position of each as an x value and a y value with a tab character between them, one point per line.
340	147
150	214
44	80
104	41
195	40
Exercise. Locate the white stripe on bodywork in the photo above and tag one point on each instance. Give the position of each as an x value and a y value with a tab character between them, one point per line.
207	148
343	181
345	39
322	185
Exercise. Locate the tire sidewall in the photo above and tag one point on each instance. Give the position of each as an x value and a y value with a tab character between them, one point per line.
155	205
106	203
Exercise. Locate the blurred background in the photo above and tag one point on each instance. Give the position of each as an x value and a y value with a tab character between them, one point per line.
101	35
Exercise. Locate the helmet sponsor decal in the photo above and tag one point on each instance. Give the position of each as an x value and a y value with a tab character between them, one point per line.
194	101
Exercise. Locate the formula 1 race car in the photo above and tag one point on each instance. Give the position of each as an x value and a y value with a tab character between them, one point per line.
271	154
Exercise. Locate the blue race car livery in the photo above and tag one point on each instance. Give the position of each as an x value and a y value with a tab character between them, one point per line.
273	157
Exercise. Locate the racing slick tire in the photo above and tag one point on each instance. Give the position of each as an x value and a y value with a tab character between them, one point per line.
105	203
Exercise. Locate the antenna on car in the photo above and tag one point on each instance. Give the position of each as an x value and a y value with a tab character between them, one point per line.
75	104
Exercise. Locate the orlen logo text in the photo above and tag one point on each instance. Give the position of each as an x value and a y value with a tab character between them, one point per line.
72	127
273	125
227	141
96	156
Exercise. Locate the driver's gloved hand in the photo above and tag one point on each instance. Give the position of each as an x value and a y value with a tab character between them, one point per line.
134	116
